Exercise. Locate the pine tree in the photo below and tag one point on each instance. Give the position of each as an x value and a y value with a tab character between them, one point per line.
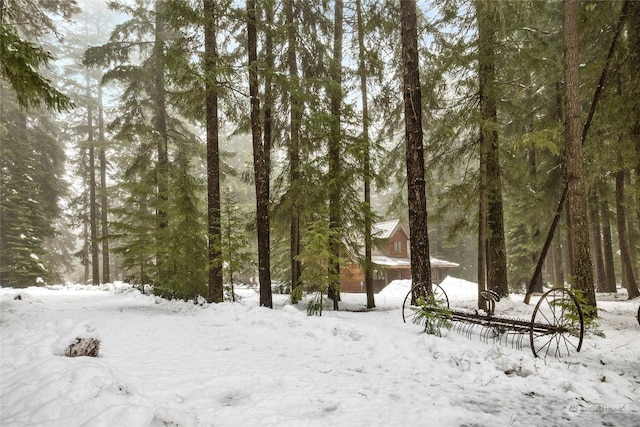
21	59
259	161
211	60
576	195
420	262
31	186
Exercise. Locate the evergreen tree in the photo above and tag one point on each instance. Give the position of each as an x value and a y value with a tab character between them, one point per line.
576	195
261	172
235	241
211	60
31	157
420	262
21	59
31	186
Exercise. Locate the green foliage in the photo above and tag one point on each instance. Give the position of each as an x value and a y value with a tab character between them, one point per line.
314	305
589	312
315	257
21	60
31	186
433	313
235	245
19	65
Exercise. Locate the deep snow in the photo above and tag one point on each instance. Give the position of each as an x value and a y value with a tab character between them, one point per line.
169	363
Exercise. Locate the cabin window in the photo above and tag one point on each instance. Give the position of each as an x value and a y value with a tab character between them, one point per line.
397	246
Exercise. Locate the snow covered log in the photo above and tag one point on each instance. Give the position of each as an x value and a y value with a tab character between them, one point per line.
83	347
77	340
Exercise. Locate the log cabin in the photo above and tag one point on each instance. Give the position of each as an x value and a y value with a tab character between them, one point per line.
391	258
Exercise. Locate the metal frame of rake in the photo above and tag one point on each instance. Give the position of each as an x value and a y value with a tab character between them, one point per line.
556	326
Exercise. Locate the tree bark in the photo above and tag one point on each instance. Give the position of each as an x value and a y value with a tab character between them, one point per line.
335	167
496	253
558	270
104	218
160	126
259	162
609	269
417	202
368	266
295	106
93	203
216	289
579	229
628	280
594	216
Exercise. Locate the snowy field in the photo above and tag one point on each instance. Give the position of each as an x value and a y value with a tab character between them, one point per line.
165	363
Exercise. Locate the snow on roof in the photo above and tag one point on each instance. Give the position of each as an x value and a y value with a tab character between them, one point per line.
406	262
384	230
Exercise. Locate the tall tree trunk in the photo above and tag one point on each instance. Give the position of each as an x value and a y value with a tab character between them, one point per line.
628	280
335	168
162	168
295	105
216	289
93	203
86	250
632	232
104	219
594	216
496	254
482	224
569	246
259	162
609	269
532	173
634	44
579	229
368	266
558	270
417	200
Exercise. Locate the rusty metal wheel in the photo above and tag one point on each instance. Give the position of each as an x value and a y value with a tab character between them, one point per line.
557	324
408	314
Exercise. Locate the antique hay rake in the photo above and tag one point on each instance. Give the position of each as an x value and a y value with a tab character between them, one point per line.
556	326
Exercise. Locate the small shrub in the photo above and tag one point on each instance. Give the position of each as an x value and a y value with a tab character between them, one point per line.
433	313
314	305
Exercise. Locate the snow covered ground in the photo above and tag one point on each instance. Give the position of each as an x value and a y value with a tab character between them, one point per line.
168	363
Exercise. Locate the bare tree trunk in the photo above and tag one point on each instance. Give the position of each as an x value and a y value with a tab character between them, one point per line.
335	167
558	270
162	168
216	289
417	201
609	270
576	196
632	232
497	255
294	143
259	162
628	280
104	219
368	266
594	215
93	203
482	224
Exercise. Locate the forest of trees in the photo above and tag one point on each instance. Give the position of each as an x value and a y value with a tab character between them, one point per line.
180	143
